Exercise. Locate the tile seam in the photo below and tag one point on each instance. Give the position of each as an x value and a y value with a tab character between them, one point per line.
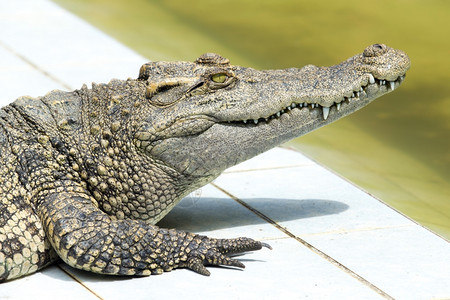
35	66
356	230
79	282
306	244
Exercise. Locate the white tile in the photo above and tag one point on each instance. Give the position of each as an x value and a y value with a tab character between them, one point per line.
387	249
50	283
310	200
18	78
72	51
290	271
275	158
407	263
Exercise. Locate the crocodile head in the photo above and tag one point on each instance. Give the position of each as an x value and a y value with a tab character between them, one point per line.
209	115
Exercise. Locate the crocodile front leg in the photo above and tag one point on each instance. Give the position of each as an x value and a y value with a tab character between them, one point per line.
87	238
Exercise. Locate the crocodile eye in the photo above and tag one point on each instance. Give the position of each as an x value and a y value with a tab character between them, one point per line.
219	78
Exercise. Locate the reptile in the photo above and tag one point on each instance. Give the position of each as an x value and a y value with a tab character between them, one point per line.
85	175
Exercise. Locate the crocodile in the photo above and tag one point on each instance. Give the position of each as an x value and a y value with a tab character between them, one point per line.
86	175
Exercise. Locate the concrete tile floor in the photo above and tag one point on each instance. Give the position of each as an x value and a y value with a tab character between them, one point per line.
330	239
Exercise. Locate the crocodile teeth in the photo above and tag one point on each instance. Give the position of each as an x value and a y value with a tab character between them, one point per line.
392	84
325	112
350	96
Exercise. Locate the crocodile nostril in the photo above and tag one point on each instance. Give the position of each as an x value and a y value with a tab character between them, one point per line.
375	50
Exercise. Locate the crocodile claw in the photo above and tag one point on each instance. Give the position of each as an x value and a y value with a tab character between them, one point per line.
216	252
265	245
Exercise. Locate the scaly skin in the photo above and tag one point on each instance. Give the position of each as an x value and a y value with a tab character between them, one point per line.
85	175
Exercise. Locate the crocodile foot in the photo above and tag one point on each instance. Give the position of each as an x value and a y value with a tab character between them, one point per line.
216	252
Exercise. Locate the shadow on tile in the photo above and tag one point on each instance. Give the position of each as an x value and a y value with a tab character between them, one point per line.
207	214
86	276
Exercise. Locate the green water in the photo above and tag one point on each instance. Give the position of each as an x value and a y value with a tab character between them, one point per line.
397	148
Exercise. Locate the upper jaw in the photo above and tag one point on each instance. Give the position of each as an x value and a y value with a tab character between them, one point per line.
358	78
369	87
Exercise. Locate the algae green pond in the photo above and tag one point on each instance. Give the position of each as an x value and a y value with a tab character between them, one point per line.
396	149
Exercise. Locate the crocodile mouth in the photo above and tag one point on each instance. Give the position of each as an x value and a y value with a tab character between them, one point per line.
361	94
